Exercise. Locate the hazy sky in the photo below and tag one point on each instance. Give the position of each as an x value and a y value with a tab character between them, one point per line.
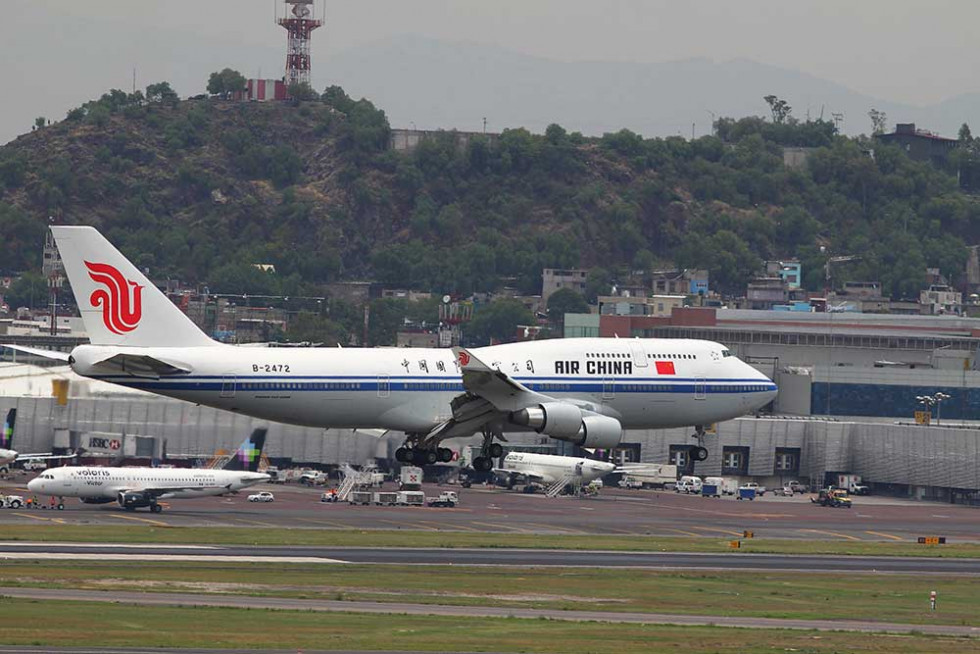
55	54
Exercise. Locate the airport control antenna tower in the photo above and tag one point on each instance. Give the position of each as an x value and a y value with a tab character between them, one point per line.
299	23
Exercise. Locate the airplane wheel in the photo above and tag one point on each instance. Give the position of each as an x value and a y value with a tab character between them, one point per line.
445	454
156	508
496	450
699	453
431	456
403	455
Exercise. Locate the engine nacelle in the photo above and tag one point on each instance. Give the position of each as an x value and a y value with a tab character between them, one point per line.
600	432
556	419
134	500
565	422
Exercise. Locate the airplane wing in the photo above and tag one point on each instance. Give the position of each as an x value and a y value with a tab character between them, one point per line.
165	493
495	386
44	456
529	476
491	396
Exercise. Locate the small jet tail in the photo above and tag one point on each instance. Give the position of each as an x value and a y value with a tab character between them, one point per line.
119	305
7	435
246	458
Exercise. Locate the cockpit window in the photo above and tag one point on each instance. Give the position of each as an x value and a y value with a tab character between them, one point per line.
727	353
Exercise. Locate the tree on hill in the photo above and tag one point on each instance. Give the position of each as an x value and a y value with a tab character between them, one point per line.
162	93
226	83
562	301
780	109
302	91
498	321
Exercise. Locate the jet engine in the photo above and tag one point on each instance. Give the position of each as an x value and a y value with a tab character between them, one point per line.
566	422
134	500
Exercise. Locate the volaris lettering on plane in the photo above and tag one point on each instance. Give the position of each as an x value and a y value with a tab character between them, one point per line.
585	391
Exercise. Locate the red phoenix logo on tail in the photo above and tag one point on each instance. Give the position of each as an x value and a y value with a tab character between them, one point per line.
121	309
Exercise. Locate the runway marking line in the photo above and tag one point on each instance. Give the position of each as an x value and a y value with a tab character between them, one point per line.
557	528
498	526
416	525
686	533
884	535
156	523
727	532
253	522
324	523
830	533
39	517
446	527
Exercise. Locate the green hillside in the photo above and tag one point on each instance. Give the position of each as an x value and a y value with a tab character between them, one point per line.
200	189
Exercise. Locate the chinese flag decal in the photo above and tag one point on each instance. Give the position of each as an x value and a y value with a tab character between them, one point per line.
665	368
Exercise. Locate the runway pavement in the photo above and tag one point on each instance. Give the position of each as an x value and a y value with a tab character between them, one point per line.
491	557
280	603
613	512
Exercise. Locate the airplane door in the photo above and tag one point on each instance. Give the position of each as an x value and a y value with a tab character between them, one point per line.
700	391
639	354
384	386
228	385
608	389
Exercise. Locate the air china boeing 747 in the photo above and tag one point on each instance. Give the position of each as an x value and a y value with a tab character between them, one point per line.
586	390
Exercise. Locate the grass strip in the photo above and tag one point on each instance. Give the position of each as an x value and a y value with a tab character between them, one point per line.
454	539
53	624
785	595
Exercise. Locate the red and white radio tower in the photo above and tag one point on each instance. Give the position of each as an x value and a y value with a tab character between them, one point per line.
299	23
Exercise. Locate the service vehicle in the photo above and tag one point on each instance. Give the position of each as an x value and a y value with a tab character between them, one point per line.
330	496
688	484
711	487
11	501
796	486
313	478
360	497
833	497
411	498
385	498
446	499
784	491
759	490
264	496
630	482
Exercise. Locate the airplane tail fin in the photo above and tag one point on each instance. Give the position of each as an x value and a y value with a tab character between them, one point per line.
7	435
119	305
246	457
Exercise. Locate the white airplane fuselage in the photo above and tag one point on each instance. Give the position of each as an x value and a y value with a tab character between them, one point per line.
644	383
550	468
92	482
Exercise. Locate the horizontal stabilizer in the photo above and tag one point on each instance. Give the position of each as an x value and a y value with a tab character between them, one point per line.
47	354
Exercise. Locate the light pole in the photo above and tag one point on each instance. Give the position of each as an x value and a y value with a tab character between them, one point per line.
940	398
926	401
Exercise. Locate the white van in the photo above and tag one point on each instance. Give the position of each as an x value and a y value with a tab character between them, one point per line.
688	484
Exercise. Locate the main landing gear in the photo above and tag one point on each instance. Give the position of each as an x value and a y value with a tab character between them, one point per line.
699	452
489	452
415	453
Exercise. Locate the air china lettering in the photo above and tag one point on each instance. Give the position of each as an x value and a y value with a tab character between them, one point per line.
594	367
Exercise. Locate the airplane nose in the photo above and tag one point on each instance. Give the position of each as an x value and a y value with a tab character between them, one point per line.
34	485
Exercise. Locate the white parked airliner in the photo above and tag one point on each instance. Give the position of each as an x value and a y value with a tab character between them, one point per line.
8	455
551	469
581	390
145	487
